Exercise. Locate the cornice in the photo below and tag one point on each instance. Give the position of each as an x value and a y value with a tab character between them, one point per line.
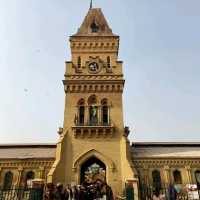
26	163
141	163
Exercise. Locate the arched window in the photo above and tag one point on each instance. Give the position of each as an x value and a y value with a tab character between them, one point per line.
81	112
8	179
156	180
94	27
79	62
177	177
197	177
105	114
30	175
93	110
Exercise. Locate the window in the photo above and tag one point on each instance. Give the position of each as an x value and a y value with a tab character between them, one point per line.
108	61
197	177
79	62
94	27
156	180
93	110
30	175
81	112
81	115
105	114
177	177
8	179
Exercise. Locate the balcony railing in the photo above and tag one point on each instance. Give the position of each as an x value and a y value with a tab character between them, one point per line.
90	129
93	124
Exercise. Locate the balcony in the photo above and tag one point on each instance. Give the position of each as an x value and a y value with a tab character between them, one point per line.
93	130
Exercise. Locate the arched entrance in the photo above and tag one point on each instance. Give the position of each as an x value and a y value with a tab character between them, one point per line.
92	170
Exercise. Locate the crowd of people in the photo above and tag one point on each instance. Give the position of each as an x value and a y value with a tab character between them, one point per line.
97	190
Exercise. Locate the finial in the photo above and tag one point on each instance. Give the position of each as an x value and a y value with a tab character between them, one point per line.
90	4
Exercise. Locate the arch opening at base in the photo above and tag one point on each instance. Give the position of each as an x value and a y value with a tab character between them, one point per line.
92	170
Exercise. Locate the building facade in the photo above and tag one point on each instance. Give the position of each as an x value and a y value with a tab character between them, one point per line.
93	143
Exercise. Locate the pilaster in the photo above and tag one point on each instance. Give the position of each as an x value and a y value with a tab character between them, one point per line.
189	175
41	172
20	170
167	178
146	175
1	179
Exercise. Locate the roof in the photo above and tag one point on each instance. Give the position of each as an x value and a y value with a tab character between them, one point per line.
27	151
94	18
166	150
166	144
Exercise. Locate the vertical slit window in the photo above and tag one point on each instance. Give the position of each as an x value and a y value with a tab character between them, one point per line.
79	62
81	115
108	61
105	115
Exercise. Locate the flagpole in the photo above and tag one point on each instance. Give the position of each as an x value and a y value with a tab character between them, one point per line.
90	4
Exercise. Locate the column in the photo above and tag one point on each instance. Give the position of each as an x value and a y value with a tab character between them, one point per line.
109	115
77	116
86	115
99	115
189	176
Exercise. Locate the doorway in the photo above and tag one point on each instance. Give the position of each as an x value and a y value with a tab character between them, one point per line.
91	170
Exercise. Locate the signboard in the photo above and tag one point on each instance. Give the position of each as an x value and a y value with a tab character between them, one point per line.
193	193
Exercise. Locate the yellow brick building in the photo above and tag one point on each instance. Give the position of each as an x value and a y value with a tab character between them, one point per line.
93	136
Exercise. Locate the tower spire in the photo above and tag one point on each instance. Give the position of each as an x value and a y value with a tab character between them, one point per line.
91	4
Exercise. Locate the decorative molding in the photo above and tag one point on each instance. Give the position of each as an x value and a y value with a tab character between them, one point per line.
100	46
94	77
88	87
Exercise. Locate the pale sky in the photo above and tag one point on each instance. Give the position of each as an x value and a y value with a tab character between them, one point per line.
160	47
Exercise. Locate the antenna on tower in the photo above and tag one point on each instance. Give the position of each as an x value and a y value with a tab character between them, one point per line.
90	4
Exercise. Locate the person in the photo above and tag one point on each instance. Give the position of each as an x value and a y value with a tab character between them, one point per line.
98	186
74	193
172	192
66	193
49	192
107	193
59	193
82	193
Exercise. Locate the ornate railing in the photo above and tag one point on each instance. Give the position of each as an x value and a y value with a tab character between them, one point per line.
147	192
21	194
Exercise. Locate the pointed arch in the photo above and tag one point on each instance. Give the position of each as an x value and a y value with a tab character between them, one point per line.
93	153
177	176
81	102
92	99
156	177
30	175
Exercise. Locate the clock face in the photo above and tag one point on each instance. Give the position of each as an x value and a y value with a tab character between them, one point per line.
93	67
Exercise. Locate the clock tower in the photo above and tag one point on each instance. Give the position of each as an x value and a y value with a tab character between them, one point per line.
93	143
